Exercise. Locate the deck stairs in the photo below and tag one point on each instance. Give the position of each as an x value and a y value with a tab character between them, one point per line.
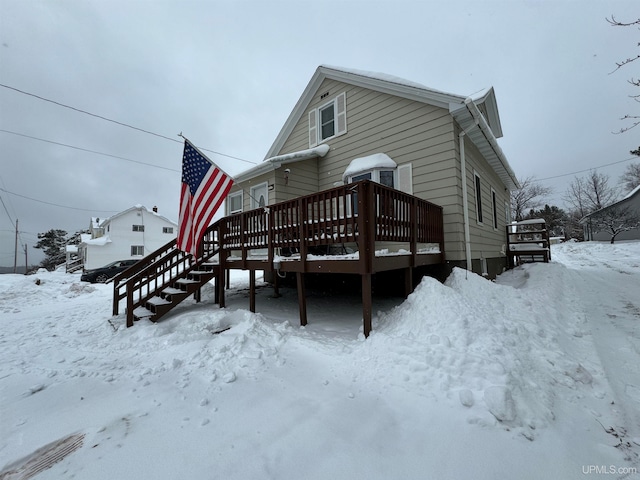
171	296
528	242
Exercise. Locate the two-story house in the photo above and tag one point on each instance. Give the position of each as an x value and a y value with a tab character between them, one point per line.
131	234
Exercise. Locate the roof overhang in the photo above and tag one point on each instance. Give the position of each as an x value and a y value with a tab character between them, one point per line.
273	163
467	115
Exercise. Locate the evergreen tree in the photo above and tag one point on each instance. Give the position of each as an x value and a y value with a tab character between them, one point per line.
53	243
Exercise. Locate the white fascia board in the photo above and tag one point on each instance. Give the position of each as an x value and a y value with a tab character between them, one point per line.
510	177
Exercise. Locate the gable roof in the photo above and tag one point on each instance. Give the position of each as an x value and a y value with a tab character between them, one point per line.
104	222
633	193
466	110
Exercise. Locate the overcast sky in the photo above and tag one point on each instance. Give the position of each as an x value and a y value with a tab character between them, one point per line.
227	75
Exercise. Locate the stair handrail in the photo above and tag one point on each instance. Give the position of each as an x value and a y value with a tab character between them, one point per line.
159	269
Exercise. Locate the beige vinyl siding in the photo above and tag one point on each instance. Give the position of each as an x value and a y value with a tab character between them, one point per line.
408	132
486	241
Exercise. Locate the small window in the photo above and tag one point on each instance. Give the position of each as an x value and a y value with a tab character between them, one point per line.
137	250
494	208
138	228
234	202
167	229
327	122
478	197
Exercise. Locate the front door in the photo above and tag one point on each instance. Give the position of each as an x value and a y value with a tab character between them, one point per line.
259	196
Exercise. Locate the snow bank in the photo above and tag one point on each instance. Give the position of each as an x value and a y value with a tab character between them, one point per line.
482	344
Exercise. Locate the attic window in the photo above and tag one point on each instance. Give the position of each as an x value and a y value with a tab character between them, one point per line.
328	121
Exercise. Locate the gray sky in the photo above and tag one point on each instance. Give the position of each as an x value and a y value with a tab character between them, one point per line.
227	75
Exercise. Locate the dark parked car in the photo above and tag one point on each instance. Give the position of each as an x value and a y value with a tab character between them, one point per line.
106	273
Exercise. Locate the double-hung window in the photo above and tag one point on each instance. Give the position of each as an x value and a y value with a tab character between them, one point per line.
137	250
138	228
328	121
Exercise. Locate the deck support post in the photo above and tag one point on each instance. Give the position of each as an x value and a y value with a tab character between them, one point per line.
302	298
220	284
366	303
408	281
252	291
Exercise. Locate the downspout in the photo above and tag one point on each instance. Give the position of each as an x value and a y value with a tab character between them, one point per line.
465	199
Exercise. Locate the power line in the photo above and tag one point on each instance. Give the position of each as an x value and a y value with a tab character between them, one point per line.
87	150
586	170
55	204
119	123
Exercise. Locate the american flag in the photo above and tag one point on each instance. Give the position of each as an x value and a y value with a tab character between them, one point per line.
204	187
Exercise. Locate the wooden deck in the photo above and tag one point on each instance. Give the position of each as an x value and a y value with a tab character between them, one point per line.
348	229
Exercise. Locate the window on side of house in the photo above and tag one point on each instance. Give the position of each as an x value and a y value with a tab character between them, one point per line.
478	197
494	208
328	120
137	250
138	228
234	202
167	229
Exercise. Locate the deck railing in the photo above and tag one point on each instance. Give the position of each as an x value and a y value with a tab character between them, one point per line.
361	214
157	271
337	216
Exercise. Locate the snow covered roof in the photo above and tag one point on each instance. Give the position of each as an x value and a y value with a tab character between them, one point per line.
368	163
135	207
626	198
478	108
273	163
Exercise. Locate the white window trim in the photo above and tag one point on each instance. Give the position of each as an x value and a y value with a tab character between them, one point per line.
137	247
477	188
168	230
254	203
375	175
235	194
339	119
494	208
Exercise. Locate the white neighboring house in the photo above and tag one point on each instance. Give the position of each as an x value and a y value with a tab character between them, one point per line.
131	234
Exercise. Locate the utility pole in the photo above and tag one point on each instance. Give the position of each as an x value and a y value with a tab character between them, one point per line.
26	261
15	253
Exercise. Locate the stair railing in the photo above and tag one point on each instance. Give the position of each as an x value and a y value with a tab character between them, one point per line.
158	270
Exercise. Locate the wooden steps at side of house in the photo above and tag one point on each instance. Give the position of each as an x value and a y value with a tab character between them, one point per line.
169	297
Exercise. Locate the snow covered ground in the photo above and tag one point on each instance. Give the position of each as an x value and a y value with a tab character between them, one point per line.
535	376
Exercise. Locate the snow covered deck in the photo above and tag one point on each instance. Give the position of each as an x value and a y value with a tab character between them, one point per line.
361	228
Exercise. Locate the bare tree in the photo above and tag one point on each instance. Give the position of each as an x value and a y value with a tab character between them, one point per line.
635	119
630	179
529	196
615	220
590	193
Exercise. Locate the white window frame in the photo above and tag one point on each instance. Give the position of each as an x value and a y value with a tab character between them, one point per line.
168	230
375	175
494	208
137	228
135	249
477	187
254	197
339	103
230	197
